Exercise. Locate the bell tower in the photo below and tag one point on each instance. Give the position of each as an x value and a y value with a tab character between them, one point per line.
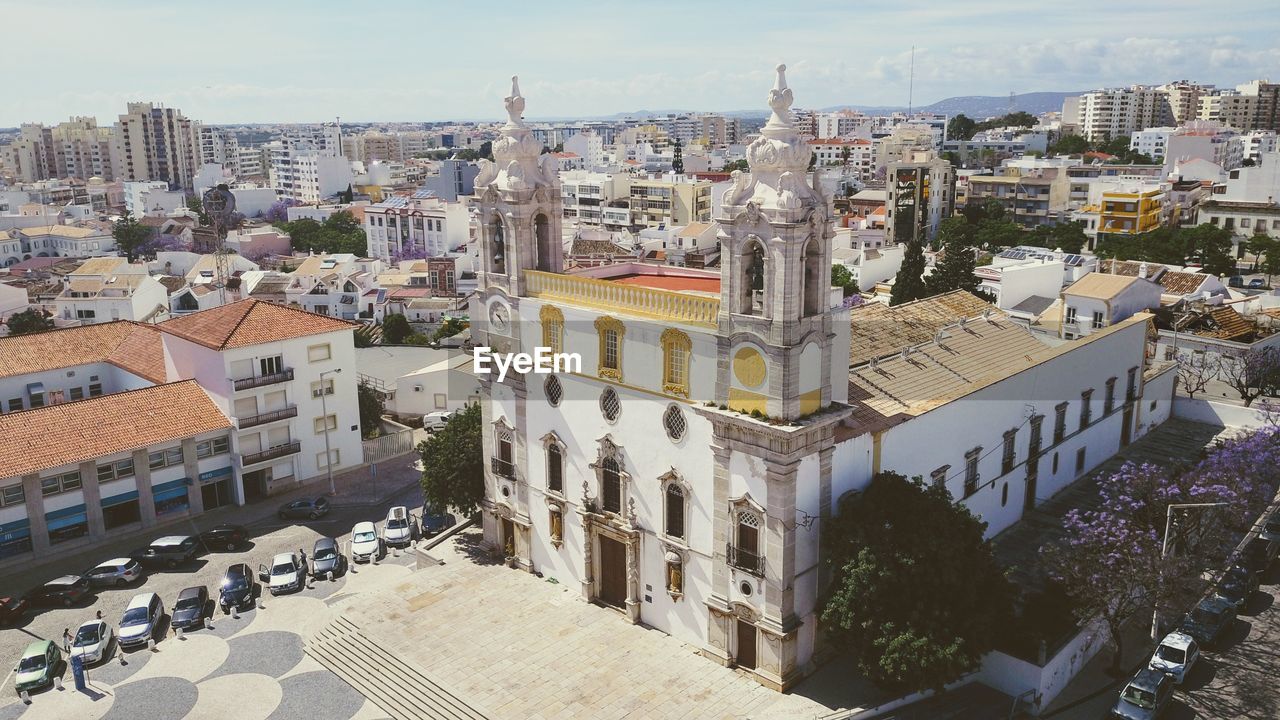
519	206
775	322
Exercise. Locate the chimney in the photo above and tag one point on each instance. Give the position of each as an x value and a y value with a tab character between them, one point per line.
1142	271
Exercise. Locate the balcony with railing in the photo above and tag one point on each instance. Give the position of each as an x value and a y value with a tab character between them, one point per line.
745	560
261	380
267	417
631	299
503	468
271	453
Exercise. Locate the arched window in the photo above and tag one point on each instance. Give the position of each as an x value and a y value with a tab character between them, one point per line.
610	331
751	279
503	460
497	246
745	553
611	486
676	351
675	511
816	283
552	328
555	468
547	249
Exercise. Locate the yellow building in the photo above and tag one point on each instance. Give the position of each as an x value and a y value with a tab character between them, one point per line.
1133	212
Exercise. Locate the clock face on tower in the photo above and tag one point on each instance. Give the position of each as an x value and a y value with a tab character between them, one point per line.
498	317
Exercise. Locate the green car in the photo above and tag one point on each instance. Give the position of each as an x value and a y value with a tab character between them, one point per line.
40	663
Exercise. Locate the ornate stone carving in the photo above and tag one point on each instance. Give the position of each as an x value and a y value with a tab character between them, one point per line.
780	157
741	189
488	172
516	152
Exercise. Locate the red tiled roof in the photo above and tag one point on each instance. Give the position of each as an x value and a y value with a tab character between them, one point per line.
250	322
73	432
133	347
671	282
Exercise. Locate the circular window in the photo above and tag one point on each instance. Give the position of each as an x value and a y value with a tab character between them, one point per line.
673	420
745	588
610	405
553	390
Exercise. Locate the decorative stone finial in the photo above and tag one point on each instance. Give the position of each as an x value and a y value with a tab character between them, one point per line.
515	104
780	99
781	83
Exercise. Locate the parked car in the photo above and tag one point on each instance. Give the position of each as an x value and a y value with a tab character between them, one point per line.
1176	654
141	620
188	609
1236	586
1208	620
365	543
226	537
11	610
1257	283
309	508
169	551
115	573
92	642
1236	281
285	574
237	588
1258	554
327	558
399	528
40	663
65	591
434	521
1144	697
433	421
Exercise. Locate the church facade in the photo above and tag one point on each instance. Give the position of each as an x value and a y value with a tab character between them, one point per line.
663	478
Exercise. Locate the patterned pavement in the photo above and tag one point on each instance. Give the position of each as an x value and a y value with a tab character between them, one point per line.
248	668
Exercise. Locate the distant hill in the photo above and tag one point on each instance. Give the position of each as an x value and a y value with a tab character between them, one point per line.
977	107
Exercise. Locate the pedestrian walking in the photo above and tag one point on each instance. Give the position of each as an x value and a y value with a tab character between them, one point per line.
98	615
66	640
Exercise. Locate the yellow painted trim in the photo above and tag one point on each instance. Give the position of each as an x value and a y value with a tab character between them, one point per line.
810	401
552	327
604	325
613	297
746	401
875	453
673	340
749	367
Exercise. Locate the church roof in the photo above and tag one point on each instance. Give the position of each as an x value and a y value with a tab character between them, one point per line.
878	330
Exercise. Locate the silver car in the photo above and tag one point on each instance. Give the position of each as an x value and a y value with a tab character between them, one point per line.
115	573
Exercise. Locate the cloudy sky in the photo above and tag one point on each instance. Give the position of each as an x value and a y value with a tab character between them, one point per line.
235	61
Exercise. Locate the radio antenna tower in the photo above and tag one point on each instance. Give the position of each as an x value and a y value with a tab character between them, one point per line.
911	82
220	205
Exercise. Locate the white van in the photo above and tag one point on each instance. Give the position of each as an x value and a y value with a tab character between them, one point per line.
398	531
435	420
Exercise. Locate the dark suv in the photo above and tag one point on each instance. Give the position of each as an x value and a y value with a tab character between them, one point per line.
309	508
169	551
236	590
224	537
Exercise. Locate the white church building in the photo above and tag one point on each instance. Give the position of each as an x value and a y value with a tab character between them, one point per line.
682	474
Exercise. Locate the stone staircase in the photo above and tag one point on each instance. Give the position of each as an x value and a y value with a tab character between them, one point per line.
402	691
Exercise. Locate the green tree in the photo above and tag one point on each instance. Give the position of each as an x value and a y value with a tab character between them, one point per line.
372	406
994	234
953	229
732	165
131	236
961	127
1069	237
1118	146
453	464
195	205
339	233
917	598
448	328
1266	250
1069	145
1212	245
909	284
842	278
395	328
955	270
28	322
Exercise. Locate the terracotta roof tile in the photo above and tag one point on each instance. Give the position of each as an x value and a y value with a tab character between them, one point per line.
89	429
1100	286
250	322
134	347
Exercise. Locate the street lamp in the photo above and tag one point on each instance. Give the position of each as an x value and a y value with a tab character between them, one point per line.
1164	552
324	410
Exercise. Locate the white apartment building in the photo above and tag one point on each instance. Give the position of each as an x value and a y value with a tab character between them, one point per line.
109	288
1152	142
861	160
1116	112
586	194
589	146
77	148
152	142
151	197
308	174
57	241
846	124
235	400
333	285
416	227
1258	143
1099	300
273	369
